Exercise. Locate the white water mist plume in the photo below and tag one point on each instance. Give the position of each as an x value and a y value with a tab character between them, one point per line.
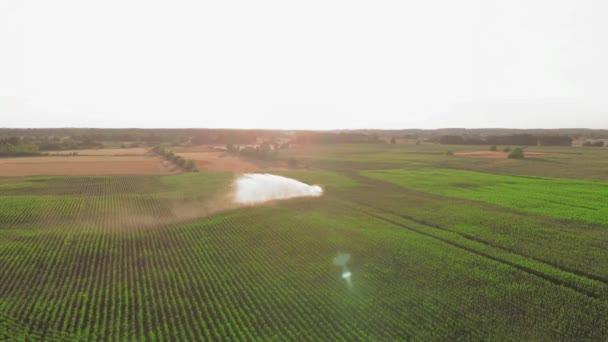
253	188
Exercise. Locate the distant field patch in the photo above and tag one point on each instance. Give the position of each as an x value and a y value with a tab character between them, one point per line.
571	199
495	154
326	179
199	148
222	161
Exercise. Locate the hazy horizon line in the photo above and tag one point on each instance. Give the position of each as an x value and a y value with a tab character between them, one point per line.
312	129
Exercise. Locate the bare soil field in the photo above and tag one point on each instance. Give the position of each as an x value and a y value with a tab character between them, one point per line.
137	151
496	154
220	161
84	165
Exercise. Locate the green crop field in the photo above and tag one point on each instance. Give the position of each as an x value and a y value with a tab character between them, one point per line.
577	200
437	248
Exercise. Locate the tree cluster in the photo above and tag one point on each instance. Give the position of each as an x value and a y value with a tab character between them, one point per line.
262	151
15	147
594	143
187	165
517	153
71	143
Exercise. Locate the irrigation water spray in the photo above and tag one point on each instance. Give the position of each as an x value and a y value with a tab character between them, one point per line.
254	188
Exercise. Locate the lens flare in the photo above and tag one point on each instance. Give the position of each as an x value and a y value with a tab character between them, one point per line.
342	260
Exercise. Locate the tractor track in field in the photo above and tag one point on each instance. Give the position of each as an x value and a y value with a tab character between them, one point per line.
555	280
547	277
601	279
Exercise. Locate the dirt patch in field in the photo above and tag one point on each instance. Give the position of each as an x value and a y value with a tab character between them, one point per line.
483	154
496	154
84	165
220	161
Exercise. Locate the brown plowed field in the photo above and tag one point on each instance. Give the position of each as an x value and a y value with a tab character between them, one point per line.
83	165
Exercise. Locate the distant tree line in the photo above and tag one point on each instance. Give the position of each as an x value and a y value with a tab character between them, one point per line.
311	137
58	139
514	139
221	137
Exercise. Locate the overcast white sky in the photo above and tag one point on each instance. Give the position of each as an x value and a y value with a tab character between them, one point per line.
304	64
